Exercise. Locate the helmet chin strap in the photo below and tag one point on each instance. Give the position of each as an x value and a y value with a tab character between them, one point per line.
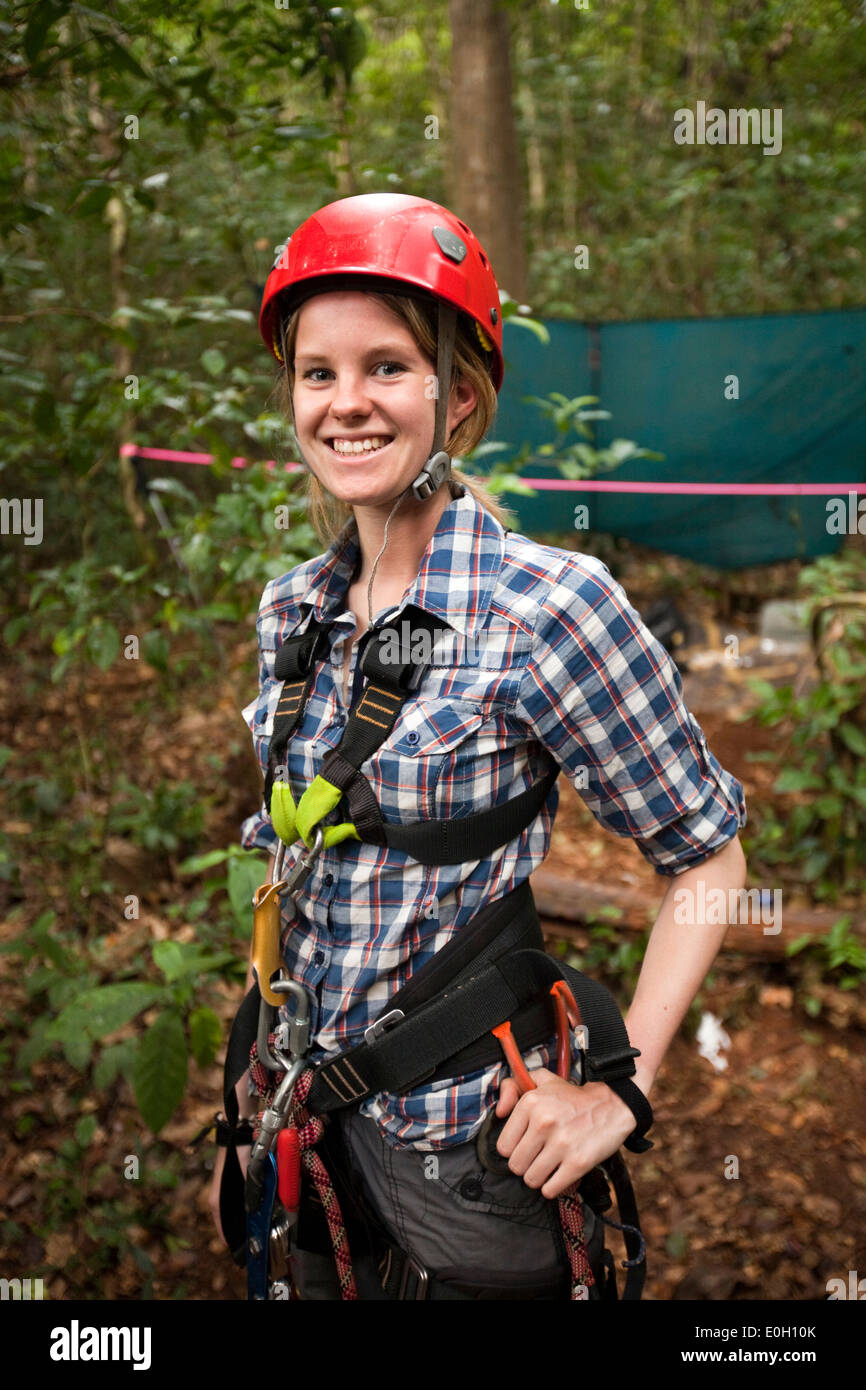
438	465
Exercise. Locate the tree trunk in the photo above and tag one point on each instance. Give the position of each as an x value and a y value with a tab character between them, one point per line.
537	185
486	181
115	217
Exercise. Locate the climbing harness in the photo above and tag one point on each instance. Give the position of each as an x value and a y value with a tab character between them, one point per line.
491	990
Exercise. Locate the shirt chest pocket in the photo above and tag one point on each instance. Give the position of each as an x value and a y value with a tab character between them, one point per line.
439	761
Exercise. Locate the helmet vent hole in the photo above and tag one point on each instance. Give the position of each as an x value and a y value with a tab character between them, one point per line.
483	259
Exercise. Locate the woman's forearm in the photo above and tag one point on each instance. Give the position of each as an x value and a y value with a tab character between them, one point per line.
677	960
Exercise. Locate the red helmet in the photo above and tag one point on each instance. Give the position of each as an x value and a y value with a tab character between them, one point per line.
390	241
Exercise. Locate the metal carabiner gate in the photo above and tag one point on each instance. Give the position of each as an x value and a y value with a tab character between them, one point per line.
292	1041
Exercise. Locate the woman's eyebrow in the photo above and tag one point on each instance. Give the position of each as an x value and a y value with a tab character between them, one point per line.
392	349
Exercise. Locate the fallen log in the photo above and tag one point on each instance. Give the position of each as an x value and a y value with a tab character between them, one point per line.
566	905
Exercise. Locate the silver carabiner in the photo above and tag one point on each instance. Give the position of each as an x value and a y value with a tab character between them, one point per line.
302	867
282	985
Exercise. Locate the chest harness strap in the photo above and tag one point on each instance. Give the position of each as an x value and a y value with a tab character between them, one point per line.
440	1023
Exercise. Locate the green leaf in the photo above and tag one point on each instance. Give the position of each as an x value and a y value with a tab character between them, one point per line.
14	628
213	361
205	1035
94	200
794	779
794	947
36	1046
853	737
539	330
197	863
160	1071
45	413
245	874
35	34
177	959
77	1049
169	957
155	650
677	1244
103	645
117	1060
85	1130
102	1010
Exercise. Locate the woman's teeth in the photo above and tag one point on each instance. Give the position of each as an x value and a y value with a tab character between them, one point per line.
359	446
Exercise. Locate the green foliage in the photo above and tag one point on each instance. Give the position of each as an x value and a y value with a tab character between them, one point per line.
840	954
162	818
83	1015
821	831
244	873
159	1072
611	953
573	458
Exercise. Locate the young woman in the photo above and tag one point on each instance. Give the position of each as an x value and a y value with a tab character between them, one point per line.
384	315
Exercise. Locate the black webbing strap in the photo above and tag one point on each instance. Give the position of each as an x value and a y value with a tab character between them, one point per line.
629	1224
466	838
232	1209
295	666
388	686
443	1029
507	925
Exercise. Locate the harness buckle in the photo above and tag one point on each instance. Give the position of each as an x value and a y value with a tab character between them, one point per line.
581	1037
375	1031
410	1267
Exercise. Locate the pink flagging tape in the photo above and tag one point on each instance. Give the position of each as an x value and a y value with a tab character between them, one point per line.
720	489
178	456
554	484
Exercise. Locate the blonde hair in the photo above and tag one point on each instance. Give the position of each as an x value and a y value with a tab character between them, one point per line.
327	513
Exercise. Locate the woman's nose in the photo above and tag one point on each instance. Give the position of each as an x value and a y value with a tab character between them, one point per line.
351	396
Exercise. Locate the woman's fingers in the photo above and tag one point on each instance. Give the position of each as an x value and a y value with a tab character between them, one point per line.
509	1095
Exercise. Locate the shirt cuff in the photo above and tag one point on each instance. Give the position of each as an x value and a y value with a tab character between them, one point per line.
257	832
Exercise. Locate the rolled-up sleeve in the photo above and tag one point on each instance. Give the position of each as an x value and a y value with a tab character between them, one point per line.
605	699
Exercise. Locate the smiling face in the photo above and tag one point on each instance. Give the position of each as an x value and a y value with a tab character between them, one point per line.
363	398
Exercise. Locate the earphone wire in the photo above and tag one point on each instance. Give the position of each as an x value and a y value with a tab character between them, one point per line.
379	556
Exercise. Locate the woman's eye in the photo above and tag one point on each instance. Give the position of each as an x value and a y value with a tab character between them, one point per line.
311	373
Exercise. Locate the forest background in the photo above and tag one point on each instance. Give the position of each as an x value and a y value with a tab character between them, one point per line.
151	166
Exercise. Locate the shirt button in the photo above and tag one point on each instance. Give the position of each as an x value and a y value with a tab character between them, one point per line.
329	879
412	737
472	1189
318	957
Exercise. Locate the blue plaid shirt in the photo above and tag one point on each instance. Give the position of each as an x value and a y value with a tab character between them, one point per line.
539	656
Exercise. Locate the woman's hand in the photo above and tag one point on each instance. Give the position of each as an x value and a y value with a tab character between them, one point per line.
559	1131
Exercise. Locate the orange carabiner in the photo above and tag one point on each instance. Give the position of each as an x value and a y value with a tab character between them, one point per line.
567	1016
509	1046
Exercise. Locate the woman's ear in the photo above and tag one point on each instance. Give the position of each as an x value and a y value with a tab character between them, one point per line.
462	403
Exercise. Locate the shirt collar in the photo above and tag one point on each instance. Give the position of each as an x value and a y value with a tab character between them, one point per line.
456	578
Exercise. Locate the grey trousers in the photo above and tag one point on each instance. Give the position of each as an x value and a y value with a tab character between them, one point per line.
450	1214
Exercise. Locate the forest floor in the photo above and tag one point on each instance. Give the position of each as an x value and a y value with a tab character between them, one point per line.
755	1187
